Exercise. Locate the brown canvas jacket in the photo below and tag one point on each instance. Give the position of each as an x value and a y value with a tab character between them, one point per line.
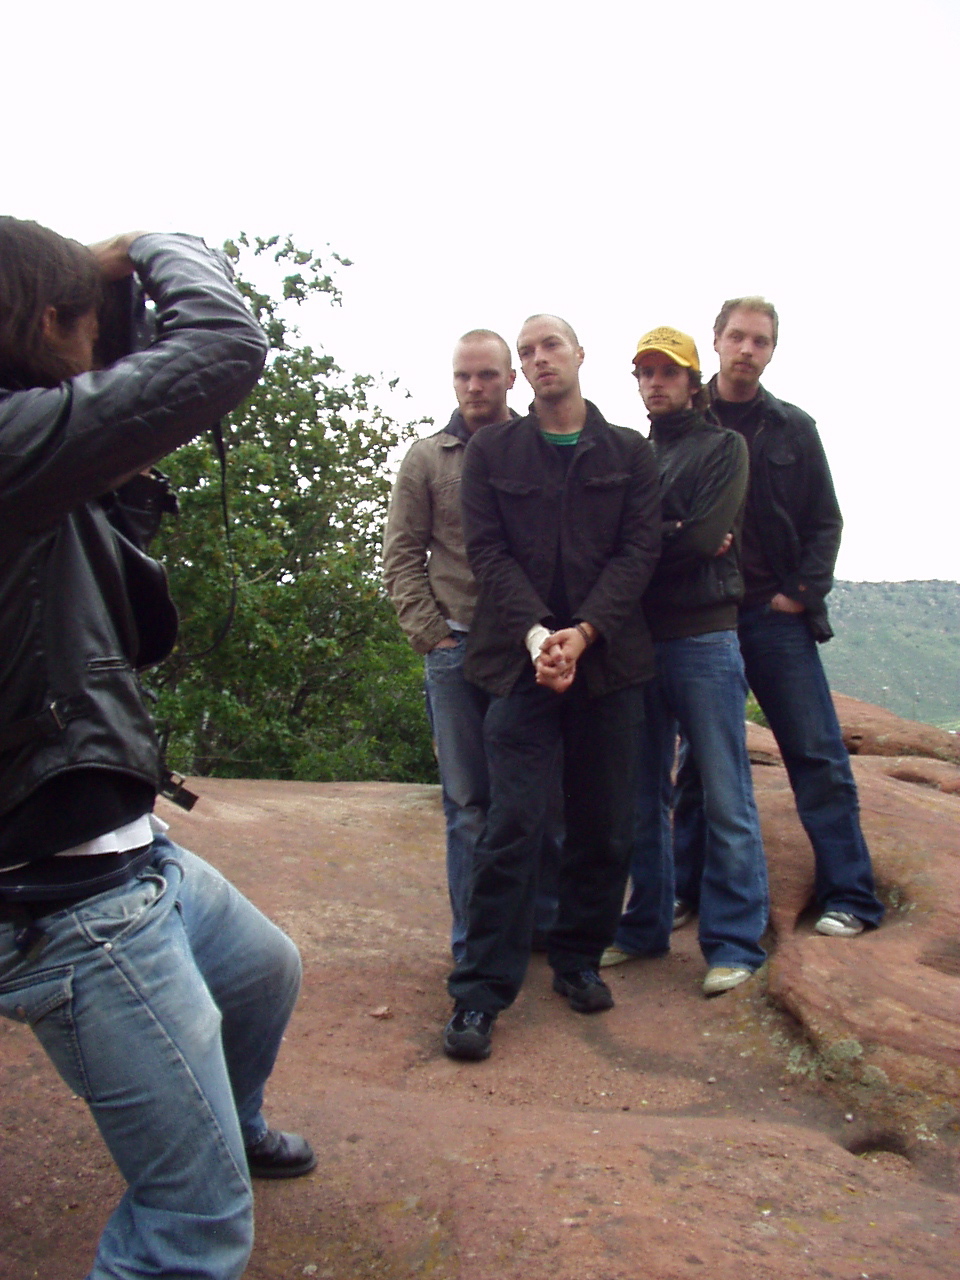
425	567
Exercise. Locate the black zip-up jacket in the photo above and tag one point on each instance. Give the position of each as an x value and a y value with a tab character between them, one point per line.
520	512
792	504
703	484
80	603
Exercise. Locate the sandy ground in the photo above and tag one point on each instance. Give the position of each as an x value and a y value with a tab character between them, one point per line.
668	1139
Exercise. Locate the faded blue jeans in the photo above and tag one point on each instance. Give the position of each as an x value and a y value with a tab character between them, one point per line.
699	686
162	1003
456	710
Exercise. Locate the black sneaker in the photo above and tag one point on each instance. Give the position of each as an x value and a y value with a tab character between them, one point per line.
682	913
280	1155
585	989
467	1035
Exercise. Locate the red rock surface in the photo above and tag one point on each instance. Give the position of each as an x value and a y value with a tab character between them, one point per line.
872	731
806	1133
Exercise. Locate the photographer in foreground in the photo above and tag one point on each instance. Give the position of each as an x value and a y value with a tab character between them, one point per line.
160	994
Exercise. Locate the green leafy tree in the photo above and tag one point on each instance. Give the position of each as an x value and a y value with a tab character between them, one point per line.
313	679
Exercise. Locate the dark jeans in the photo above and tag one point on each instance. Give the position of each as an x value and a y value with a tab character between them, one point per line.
456	710
523	732
784	671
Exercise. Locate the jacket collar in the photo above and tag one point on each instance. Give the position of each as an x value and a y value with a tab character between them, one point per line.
592	423
671	426
769	405
458	428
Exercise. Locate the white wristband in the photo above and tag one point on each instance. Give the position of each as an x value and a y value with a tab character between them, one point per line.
535	638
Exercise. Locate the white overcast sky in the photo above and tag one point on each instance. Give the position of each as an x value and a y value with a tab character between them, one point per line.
623	165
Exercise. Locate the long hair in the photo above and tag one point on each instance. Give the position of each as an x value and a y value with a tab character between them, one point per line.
40	269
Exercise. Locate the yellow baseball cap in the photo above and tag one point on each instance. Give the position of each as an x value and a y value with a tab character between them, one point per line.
670	342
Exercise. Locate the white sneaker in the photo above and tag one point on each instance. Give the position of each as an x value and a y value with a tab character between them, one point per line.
839	924
724	978
616	955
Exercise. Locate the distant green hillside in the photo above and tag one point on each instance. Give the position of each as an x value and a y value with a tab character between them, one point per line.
897	645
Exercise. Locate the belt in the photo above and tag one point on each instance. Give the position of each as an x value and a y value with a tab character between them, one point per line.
26	912
53	719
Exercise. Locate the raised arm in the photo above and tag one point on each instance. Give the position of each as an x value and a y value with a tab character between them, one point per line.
65	445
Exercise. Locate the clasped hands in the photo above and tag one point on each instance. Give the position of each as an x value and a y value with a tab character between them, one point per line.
556	663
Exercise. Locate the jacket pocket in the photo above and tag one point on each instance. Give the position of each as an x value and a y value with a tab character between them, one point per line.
108	664
613	480
446	493
515	488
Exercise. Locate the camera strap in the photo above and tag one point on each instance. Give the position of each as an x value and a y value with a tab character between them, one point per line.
219	443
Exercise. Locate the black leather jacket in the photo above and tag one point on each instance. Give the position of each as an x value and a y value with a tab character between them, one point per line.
602	518
792	504
703	483
81	607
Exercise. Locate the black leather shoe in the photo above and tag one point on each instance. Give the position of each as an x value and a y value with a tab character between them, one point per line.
585	989
467	1035
280	1155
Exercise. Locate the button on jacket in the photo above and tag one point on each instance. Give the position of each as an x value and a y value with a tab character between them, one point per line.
521	512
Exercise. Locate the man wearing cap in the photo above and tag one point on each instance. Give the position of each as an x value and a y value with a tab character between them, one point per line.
428	578
562	524
691	609
791	536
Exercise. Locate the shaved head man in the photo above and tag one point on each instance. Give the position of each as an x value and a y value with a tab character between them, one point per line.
430	582
562	525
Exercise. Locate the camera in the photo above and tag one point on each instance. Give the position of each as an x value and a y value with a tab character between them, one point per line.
126	322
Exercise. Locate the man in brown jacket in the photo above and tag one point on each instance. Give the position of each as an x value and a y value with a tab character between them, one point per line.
428	578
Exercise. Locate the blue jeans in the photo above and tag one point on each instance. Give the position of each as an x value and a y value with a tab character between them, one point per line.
785	673
523	733
700	686
162	1003
689	828
456	710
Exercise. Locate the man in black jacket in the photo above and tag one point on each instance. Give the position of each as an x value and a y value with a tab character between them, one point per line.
160	994
691	608
791	536
562	526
